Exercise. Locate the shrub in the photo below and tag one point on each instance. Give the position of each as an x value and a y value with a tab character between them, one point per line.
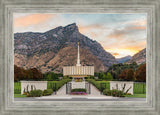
47	92
98	79
35	93
117	93
78	80
59	84
107	92
128	93
114	93
95	83
91	77
79	90
107	77
25	93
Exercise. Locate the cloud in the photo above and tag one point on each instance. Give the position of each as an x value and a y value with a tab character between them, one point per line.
93	31
122	52
130	29
32	19
90	27
139	22
137	27
110	30
115	54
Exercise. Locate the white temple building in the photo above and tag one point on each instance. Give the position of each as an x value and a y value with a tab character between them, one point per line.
78	71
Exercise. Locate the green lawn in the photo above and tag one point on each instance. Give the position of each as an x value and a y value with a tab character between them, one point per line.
57	84
17	88
106	82
139	88
103	81
19	96
137	95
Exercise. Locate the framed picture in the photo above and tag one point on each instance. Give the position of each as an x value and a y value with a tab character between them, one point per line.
79	57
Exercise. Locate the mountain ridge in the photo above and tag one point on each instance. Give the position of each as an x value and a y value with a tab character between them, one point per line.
38	49
124	59
139	57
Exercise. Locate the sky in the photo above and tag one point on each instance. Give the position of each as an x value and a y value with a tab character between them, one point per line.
119	34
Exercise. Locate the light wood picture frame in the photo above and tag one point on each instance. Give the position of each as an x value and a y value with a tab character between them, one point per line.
149	107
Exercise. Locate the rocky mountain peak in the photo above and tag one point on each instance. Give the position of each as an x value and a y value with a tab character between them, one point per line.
139	57
71	27
45	50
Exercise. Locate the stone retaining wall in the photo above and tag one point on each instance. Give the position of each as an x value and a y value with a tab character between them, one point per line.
121	84
42	85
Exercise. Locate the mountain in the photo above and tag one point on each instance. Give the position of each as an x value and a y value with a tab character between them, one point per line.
124	59
51	50
139	57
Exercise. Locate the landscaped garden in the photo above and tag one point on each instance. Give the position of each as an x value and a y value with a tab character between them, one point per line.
51	86
122	72
101	80
139	89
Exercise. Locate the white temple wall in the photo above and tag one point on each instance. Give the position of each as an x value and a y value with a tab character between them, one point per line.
78	70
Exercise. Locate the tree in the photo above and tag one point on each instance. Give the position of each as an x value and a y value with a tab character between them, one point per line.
18	73
127	74
122	76
49	77
53	76
109	76
28	74
130	75
104	76
36	73
100	75
140	74
117	69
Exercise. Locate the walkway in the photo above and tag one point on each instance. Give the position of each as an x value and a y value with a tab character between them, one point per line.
94	91
61	91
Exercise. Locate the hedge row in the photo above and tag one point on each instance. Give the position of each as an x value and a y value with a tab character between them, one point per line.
79	90
101	85
38	93
35	93
114	93
47	92
55	85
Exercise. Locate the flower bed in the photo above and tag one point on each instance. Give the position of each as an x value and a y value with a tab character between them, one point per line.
78	93
79	90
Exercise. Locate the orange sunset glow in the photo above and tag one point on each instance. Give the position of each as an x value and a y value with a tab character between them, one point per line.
122	52
119	34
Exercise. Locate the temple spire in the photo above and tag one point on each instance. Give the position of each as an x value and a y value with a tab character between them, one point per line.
78	57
